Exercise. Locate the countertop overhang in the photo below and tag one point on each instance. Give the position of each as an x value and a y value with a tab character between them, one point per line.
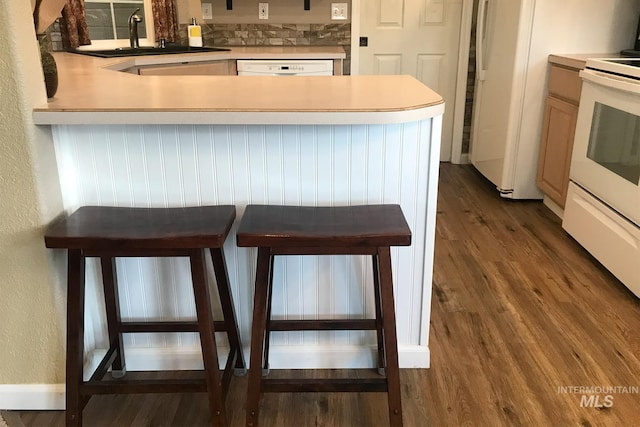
92	91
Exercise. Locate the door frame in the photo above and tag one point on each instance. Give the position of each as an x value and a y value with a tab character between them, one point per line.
459	102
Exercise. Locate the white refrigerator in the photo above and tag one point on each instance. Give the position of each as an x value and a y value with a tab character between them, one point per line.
513	41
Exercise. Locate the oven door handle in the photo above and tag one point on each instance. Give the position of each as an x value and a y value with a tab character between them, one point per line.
613	81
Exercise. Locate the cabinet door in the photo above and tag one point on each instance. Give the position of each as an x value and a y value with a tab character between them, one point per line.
217	68
555	148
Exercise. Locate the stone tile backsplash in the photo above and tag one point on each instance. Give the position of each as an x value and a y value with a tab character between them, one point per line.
276	35
54	38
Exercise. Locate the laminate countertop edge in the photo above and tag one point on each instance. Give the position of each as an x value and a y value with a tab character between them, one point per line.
237	118
92	92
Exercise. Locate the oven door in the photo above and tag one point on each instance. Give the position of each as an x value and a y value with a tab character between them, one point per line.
606	151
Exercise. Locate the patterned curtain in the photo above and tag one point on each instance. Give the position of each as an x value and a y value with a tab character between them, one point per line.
165	20
73	25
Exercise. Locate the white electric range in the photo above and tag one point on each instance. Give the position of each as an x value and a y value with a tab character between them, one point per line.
602	211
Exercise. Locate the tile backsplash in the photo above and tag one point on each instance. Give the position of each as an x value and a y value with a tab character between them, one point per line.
53	37
276	35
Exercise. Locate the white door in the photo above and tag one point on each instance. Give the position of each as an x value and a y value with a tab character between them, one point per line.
416	37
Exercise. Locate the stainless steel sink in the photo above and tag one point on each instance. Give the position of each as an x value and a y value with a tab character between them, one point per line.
143	51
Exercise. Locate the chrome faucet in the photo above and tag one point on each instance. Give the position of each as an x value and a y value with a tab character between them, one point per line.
134	20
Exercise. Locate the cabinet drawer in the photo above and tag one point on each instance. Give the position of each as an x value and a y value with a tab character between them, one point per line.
565	83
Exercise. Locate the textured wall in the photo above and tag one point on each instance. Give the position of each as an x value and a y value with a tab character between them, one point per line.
31	319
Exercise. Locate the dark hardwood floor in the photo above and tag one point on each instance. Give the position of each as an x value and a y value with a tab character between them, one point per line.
519	311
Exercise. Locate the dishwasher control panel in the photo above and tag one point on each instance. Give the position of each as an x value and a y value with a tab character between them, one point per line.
308	67
275	68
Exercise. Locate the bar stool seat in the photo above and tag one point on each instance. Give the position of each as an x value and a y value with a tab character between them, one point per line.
347	230
110	232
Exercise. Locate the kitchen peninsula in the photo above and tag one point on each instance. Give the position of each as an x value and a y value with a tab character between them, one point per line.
123	139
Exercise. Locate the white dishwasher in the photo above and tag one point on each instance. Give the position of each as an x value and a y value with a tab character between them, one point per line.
281	67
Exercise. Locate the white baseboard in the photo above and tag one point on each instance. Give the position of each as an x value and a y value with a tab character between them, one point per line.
51	396
28	397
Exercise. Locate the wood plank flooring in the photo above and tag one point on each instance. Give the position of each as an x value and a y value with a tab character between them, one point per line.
519	310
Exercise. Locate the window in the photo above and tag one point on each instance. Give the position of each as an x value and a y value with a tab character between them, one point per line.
614	141
108	21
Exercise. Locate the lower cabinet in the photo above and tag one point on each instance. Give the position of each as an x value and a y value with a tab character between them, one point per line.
555	151
558	130
210	68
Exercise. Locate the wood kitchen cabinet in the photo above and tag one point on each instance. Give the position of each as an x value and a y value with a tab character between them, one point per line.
559	125
208	68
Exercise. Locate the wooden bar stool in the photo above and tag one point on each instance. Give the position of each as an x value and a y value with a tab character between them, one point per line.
109	232
348	230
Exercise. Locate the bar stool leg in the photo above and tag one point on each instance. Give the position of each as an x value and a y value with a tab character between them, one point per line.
75	336
207	338
112	306
267	332
390	339
228	311
379	333
257	336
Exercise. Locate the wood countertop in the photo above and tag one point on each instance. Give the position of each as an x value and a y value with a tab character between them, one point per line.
92	91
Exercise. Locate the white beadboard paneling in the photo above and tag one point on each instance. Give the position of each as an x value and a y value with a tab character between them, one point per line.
94	298
138	168
161	165
434	133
